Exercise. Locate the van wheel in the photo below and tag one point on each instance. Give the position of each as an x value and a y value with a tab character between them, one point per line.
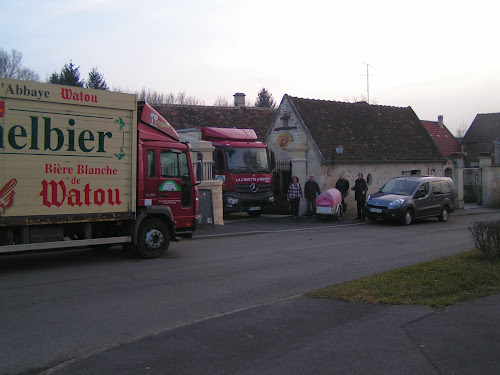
153	239
444	214
407	218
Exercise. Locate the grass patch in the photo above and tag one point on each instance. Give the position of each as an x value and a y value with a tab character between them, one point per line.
439	283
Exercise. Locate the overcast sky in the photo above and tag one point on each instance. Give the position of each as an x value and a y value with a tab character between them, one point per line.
440	57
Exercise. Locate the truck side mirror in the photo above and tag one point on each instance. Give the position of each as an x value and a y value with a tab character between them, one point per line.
199	156
271	158
199	169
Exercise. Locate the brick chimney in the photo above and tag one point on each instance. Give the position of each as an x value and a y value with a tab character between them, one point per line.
440	121
239	100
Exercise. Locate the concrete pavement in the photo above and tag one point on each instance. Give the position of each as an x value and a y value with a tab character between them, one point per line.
308	336
298	335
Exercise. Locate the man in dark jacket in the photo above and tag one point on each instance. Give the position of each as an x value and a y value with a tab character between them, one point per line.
360	188
342	185
310	189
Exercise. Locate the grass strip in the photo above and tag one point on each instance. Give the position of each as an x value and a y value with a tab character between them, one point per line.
438	283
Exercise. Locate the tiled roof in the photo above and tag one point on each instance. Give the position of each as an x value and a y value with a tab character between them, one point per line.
185	117
484	128
446	142
366	132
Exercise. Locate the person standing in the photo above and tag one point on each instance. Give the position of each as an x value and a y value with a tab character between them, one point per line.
360	188
311	188
294	195
342	185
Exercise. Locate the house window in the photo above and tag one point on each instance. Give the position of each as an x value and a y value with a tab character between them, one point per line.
173	164
284	120
413	172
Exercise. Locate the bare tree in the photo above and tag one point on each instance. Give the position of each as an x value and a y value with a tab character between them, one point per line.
460	132
361	98
181	98
221	102
11	67
157	98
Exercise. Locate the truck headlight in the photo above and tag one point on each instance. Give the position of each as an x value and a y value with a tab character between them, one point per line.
232	200
396	204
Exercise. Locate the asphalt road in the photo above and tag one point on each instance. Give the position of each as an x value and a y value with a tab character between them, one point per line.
60	308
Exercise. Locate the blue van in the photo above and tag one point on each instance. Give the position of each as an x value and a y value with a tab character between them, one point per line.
407	198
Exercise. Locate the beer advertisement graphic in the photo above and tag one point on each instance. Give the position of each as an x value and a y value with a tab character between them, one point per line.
57	158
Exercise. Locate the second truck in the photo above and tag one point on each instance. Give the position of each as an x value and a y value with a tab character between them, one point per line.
243	164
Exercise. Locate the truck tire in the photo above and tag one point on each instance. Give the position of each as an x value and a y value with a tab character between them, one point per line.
153	239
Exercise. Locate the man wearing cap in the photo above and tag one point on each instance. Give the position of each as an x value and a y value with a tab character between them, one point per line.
310	189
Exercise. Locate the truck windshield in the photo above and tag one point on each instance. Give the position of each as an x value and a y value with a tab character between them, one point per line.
247	160
399	187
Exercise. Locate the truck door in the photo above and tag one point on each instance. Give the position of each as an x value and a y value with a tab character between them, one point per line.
174	185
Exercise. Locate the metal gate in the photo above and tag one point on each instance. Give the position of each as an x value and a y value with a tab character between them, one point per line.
282	177
472	184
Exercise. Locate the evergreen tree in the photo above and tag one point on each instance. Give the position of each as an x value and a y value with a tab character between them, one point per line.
265	99
96	81
69	76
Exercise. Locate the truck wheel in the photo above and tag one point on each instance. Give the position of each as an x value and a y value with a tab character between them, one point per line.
444	214
407	218
153	239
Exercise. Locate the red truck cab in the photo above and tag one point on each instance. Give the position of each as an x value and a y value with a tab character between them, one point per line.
244	165
166	186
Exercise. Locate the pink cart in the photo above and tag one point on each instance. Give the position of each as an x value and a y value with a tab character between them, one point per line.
329	204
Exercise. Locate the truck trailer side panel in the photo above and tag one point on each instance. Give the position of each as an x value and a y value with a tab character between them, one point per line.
67	154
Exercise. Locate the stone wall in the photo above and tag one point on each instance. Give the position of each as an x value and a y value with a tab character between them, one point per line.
216	187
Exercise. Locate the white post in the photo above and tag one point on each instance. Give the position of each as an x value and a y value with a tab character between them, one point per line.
488	185
297	151
458	178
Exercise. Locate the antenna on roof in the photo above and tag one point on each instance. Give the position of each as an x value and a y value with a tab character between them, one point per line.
367	83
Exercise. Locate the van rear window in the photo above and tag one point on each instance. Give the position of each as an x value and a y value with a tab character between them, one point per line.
446	187
436	187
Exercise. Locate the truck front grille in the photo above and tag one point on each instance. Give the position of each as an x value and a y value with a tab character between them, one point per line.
245	188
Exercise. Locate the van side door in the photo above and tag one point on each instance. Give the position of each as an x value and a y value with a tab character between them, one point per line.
422	200
439	197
